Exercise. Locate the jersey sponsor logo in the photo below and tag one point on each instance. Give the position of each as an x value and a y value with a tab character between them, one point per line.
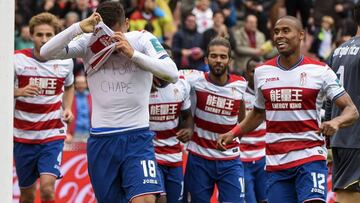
157	46
164	112
272	79
219	105
286	98
343	51
47	85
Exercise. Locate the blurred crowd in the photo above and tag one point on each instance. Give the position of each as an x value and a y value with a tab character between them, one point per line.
187	26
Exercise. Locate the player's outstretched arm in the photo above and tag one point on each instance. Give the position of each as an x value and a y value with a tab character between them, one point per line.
349	114
57	47
250	122
163	68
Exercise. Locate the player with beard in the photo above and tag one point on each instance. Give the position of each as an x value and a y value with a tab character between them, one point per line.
219	106
289	92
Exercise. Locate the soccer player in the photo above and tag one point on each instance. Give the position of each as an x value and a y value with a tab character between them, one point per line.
289	92
252	145
121	158
346	142
219	106
172	121
43	93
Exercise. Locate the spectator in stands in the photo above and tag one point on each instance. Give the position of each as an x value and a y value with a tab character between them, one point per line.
324	37
303	7
218	30
81	108
261	9
186	45
248	43
148	12
228	9
23	41
70	18
82	8
203	14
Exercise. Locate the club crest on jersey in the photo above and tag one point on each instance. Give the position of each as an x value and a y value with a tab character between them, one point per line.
56	67
303	78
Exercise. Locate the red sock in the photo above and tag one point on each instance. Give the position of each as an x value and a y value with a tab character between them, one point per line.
47	201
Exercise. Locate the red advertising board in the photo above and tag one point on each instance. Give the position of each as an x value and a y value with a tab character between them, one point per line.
75	185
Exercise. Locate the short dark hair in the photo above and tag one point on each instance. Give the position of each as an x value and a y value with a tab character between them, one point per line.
219	41
356	13
111	13
252	59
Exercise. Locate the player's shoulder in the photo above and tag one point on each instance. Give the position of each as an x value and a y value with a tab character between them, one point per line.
236	78
312	61
24	52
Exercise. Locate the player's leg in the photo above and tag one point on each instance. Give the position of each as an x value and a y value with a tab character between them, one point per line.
346	174
26	156
163	172
47	187
140	173
27	195
230	181
49	163
260	181
311	182
199	180
174	184
281	187
249	182
104	161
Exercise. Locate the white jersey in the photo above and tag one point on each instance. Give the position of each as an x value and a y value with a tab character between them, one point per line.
120	89
252	145
216	112
292	99
38	119
165	106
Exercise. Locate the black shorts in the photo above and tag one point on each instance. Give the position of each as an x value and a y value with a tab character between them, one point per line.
346	169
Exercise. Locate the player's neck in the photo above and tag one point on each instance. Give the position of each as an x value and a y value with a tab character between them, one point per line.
289	61
37	55
219	80
358	32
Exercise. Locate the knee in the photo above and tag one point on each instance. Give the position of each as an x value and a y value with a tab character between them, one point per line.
27	195
47	192
144	199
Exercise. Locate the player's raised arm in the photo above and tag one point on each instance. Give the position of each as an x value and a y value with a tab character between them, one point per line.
161	65
58	47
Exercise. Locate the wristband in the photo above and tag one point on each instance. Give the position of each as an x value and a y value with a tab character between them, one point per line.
237	131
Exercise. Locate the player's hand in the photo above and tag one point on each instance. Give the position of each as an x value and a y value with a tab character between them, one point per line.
329	128
68	138
184	134
27	91
122	45
224	139
68	116
87	25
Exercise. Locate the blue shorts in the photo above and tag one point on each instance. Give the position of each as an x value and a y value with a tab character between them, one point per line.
202	174
298	184
255	181
173	180
33	160
123	166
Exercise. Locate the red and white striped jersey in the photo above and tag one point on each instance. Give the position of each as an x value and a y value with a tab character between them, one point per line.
252	145
38	119
165	106
216	112
292	99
